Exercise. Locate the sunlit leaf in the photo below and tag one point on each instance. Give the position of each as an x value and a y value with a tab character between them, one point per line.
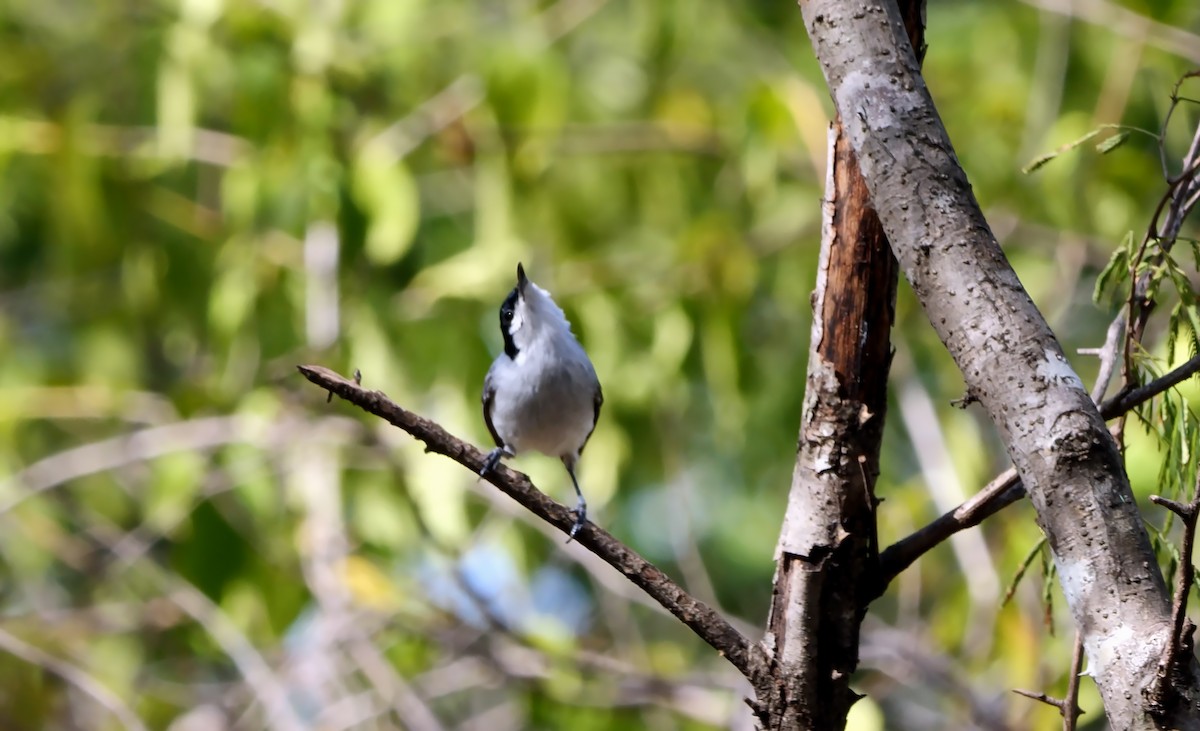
385	190
1038	162
1112	143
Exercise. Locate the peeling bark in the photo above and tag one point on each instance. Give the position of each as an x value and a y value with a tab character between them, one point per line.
827	557
828	553
1009	357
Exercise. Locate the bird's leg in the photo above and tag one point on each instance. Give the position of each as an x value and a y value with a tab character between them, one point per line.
493	459
581	506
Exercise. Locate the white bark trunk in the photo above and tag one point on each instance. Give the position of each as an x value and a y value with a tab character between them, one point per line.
1009	357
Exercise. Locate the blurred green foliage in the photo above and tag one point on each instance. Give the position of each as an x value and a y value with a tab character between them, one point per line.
196	196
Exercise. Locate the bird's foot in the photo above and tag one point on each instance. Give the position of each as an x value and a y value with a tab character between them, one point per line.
580	518
492	460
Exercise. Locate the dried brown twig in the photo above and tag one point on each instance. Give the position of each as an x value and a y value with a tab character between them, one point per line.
1058	703
699	617
1068	707
1070	720
1179	650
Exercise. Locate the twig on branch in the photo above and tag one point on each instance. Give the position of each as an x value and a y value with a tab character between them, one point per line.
1179	649
1058	703
1108	356
1131	398
1165	223
1070	720
699	617
1006	488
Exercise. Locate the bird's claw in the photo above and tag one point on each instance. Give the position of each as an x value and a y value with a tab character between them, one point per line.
492	460
580	519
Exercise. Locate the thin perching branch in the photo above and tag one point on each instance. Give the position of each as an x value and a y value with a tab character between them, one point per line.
699	617
73	675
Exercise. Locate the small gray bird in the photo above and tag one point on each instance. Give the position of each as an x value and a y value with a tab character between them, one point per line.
541	393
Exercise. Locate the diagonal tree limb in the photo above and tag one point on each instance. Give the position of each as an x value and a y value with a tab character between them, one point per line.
1006	489
699	617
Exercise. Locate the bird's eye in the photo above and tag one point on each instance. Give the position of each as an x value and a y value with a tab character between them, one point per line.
508	311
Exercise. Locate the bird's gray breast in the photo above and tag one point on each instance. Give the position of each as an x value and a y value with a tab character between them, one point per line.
544	404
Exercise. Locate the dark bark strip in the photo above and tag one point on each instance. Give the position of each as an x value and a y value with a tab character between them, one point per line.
827	557
827	549
1008	356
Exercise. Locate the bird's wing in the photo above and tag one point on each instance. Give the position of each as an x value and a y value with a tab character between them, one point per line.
489	396
598	400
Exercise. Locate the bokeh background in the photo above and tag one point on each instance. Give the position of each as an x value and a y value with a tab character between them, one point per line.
197	196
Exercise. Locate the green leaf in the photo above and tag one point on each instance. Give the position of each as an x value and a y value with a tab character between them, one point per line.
1021	569
1193	330
1173	327
387	193
1048	574
1116	271
1112	143
1038	162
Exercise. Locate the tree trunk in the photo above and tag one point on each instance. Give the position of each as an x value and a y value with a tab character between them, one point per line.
827	557
1009	357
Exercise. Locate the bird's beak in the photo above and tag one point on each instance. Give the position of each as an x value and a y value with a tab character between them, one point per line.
522	280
